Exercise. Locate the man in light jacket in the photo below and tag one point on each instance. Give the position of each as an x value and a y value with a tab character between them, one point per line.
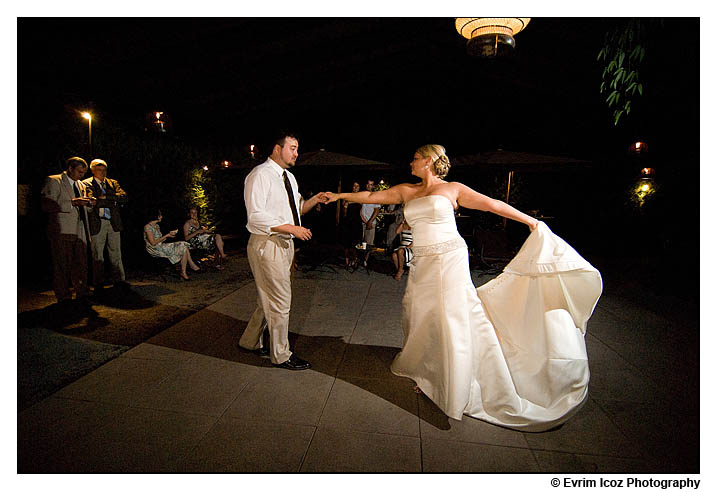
64	198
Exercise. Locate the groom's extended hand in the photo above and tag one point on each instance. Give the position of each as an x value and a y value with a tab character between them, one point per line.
301	233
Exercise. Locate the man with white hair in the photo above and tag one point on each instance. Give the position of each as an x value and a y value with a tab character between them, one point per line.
105	224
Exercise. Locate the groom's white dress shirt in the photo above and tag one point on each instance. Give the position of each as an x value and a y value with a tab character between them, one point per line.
266	198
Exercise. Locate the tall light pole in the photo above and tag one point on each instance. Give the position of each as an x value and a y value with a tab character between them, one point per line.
88	117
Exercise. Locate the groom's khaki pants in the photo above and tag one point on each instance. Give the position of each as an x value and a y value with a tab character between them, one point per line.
270	258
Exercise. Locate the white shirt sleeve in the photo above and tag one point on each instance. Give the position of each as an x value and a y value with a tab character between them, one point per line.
256	191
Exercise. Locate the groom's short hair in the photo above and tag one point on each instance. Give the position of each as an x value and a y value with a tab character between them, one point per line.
280	137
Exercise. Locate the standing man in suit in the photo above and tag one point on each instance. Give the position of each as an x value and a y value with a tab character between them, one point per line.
64	197
273	203
105	223
368	213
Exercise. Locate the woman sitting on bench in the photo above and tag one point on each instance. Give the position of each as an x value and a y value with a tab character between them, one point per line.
199	237
177	252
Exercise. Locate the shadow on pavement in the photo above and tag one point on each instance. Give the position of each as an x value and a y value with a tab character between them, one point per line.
72	317
366	366
125	297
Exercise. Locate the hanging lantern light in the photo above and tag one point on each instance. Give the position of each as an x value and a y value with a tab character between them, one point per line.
648	171
490	36
638	147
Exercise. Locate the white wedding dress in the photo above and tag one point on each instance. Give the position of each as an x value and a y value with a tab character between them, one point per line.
511	352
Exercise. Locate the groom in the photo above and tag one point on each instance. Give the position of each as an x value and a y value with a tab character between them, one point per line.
272	200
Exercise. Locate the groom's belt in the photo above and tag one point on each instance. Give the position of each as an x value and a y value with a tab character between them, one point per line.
439	248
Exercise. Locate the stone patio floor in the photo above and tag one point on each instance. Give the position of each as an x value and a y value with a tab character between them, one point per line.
188	400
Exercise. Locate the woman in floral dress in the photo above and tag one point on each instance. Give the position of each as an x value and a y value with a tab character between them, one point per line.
177	252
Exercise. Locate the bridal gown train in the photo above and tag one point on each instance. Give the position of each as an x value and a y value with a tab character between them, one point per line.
511	352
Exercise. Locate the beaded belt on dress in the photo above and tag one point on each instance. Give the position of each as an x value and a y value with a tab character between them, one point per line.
439	248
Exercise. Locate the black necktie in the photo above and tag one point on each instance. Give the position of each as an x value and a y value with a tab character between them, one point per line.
290	195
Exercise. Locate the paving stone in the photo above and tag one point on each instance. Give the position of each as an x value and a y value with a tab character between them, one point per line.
279	395
665	437
367	361
589	431
157	352
439	455
325	353
244	446
345	451
554	462
369	405
123	380
201	385
436	425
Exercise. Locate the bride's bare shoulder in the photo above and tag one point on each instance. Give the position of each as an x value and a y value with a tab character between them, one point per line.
453	185
407	190
407	187
456	185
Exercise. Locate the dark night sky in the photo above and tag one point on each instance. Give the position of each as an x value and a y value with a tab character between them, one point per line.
373	87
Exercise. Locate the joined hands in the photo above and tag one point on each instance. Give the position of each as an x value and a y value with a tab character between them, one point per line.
322	197
331	197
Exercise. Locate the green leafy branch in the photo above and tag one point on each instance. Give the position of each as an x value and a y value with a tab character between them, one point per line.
622	55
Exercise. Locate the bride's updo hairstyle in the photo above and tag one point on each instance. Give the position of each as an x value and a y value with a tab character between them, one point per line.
439	160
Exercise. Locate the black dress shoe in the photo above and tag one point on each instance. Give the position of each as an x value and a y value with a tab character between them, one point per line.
294	363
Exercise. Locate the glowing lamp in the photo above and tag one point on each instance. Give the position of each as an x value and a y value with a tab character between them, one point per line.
159	124
638	147
490	37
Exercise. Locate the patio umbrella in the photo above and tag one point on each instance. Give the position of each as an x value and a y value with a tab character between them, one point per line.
339	162
335	160
517	161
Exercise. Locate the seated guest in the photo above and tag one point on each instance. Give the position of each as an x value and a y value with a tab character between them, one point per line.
402	254
351	229
177	252
199	237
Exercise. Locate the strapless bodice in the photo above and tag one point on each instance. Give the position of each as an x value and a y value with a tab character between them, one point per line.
431	219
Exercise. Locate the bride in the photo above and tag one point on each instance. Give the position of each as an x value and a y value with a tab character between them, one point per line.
511	352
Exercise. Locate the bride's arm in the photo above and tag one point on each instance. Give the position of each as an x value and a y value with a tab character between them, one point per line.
469	198
389	196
